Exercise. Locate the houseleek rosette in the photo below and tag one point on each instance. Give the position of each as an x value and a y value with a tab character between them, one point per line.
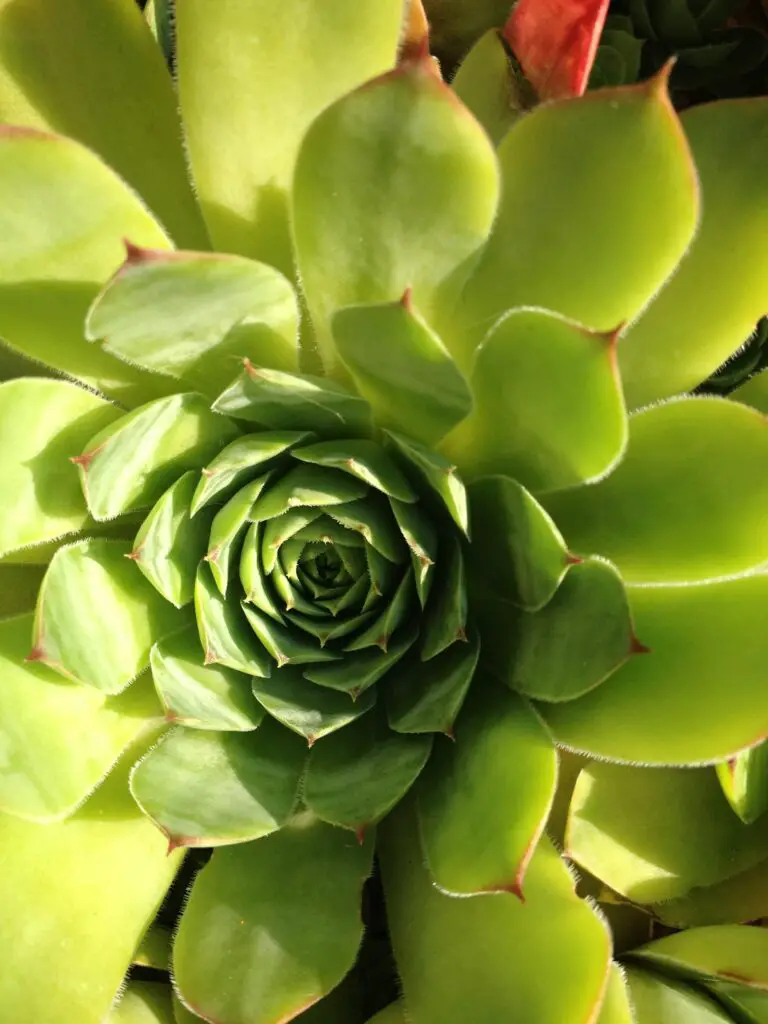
364	522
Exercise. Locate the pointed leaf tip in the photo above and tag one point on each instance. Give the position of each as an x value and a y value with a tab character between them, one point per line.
636	647
414	46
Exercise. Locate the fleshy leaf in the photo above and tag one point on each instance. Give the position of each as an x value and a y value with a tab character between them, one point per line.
60	238
407	140
483	803
574	642
108	88
155	948
740	898
170	543
517	552
356	776
358	671
309	710
58	739
616	1008
402	368
284	401
363	459
744	779
224	633
96	879
243	955
201	696
698	696
437	473
687	501
726	953
215	788
19	587
195	316
227	529
548	406
130	464
577	175
392	1014
658	1001
712	303
293	60
556	42
143	1002
485	83
655	834
101	638
473	959
43	423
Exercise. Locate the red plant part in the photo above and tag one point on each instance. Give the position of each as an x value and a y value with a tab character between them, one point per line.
555	42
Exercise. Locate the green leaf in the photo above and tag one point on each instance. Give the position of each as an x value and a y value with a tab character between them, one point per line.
272	70
687	501
666	1002
363	459
107	87
483	803
744	779
97	617
308	485
195	316
445	617
60	238
718	294
311	711
284	401
131	463
548	405
578	175
754	392
437	473
358	671
741	999
655	834
473	959
95	880
517	552
725	953
216	788
143	1002
356	776
574	642
698	695
201	696
155	949
285	645
272	926
170	542
420	184
742	897
227	530
392	1014
42	423
240	461
426	696
58	739
225	636
406	374
485	83
616	1008
19	587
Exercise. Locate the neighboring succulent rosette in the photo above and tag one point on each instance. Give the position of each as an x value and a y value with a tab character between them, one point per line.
339	541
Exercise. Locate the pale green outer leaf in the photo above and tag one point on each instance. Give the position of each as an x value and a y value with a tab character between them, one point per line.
97	617
75	899
745	782
196	316
617	1007
90	70
740	999
743	897
728	953
708	309
155	949
484	82
578	175
181	1014
402	368
215	788
657	1001
201	696
60	238
754	392
58	739
687	502
473	959
251	80
699	694
483	803
396	187
42	424
272	926
143	1002
548	408
655	834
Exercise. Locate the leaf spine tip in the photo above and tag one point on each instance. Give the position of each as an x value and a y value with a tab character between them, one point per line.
360	834
571	559
36	654
636	647
406	301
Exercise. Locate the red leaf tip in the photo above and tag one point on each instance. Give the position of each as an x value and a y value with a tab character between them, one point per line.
414	46
407	300
360	834
36	654
571	559
636	647
137	254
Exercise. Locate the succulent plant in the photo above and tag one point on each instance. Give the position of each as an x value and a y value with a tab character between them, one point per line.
364	486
